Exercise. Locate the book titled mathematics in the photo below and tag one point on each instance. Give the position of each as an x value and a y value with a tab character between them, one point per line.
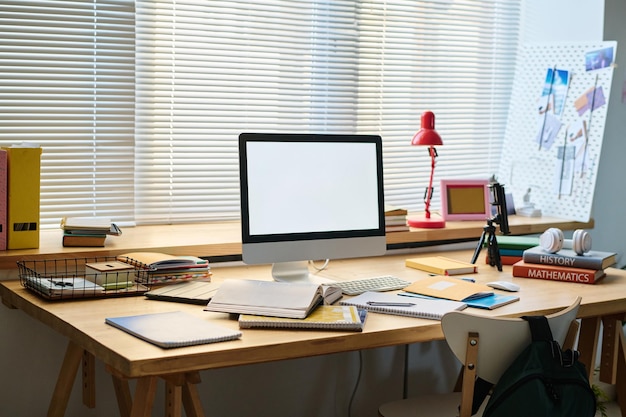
522	269
173	329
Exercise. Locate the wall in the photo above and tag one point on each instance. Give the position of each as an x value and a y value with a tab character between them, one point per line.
610	227
323	386
567	21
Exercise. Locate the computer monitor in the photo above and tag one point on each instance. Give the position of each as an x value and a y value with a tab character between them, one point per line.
310	197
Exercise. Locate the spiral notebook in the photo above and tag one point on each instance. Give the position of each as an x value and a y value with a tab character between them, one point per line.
173	329
391	303
324	317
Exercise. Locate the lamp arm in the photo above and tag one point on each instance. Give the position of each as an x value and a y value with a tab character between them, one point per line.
429	191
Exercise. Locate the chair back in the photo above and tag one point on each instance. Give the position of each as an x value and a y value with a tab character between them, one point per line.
501	339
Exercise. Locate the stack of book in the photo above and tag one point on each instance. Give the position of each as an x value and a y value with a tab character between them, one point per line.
87	231
511	248
283	305
564	265
155	268
395	219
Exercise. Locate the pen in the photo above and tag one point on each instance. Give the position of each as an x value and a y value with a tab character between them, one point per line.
390	304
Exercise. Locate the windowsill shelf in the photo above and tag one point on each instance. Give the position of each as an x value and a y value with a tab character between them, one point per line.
223	239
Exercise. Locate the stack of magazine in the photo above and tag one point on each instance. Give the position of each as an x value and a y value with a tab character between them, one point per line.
157	268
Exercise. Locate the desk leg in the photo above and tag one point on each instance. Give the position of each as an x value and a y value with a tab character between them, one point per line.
122	393
65	381
620	382
89	380
610	347
174	395
191	399
180	390
144	396
588	343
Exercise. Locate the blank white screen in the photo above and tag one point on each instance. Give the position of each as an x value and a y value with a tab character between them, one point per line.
299	187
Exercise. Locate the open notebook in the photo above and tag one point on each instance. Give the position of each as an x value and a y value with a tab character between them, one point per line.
391	303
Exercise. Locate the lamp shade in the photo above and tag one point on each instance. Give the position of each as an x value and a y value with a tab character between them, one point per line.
427	135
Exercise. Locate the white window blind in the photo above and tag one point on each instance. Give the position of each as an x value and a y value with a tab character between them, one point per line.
139	104
66	83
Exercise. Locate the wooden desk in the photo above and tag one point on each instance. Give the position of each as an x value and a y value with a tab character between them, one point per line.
82	322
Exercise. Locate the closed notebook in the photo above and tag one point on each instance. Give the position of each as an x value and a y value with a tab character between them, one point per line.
324	317
391	303
191	292
441	265
449	288
173	329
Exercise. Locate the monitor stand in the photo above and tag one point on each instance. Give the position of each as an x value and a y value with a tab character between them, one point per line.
296	271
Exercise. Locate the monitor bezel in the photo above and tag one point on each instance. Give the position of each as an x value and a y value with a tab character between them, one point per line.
337	235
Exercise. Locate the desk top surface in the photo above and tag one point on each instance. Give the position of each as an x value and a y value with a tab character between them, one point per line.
223	239
82	321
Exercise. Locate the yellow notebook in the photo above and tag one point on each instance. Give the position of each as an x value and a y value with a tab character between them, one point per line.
441	265
324	317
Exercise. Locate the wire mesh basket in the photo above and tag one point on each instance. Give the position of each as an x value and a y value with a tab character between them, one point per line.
70	278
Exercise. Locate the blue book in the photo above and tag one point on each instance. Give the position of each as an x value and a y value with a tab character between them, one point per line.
488	303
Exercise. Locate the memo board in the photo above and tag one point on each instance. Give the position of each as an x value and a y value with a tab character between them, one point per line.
555	127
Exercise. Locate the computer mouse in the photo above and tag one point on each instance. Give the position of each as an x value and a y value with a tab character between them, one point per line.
503	285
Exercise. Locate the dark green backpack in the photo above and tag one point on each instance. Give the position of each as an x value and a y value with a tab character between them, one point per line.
543	381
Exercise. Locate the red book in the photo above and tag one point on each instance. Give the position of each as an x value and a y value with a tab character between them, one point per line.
557	273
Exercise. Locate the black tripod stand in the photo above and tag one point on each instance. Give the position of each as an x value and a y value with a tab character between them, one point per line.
493	253
498	200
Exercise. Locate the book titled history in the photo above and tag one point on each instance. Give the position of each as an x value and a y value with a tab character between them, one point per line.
567	257
523	269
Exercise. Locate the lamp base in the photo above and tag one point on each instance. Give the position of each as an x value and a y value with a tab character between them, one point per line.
426	223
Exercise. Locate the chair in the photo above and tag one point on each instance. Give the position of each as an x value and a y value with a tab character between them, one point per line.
485	346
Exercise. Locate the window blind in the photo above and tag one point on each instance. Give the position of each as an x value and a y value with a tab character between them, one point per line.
66	83
139	104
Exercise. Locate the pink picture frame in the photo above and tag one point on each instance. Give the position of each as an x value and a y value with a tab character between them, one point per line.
465	200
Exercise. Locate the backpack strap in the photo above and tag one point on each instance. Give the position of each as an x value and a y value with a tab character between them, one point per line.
540	332
539	328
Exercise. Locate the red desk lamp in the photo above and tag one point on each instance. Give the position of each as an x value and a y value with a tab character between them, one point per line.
428	136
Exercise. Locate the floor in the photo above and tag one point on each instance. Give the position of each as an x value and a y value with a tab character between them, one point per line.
612	410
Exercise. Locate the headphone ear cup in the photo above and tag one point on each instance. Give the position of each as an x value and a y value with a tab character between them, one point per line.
581	242
551	240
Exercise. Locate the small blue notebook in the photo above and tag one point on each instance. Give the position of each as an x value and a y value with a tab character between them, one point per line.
488	303
173	329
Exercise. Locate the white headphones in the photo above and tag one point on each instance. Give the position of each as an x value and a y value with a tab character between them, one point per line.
552	241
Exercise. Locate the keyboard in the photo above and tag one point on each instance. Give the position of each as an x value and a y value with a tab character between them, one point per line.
381	283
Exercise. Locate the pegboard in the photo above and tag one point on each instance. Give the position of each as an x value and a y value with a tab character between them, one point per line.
555	127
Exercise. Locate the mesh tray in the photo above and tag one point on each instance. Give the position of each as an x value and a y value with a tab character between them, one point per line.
62	279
